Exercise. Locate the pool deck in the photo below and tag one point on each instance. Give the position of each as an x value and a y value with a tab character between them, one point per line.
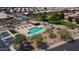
24	30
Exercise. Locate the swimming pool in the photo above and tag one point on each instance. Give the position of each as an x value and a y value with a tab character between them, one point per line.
33	31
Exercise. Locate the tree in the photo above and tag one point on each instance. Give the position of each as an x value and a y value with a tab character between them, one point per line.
62	15
40	15
54	16
30	13
70	19
43	16
77	19
64	33
20	38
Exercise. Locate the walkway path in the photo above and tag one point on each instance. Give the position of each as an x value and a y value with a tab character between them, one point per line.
11	47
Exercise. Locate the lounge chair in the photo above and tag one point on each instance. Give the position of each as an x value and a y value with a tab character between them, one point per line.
25	26
22	27
18	28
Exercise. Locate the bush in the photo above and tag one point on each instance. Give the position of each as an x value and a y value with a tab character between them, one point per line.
13	31
37	24
20	38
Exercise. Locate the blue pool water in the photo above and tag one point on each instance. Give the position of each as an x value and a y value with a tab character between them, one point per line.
34	30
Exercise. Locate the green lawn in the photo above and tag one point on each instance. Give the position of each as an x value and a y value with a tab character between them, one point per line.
68	24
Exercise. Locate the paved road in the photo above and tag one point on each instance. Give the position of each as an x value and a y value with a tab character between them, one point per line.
72	46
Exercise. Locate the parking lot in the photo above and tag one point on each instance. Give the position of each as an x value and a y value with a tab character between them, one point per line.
5	41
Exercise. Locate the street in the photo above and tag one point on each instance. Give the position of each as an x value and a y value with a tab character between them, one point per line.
69	46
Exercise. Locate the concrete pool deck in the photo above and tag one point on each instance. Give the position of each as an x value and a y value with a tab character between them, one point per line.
24	29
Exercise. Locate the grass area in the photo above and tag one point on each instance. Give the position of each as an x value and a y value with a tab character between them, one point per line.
13	31
68	24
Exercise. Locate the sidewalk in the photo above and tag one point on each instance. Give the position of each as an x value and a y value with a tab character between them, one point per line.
11	47
13	35
57	45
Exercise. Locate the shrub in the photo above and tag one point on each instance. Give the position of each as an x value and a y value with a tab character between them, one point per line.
20	38
13	31
37	24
